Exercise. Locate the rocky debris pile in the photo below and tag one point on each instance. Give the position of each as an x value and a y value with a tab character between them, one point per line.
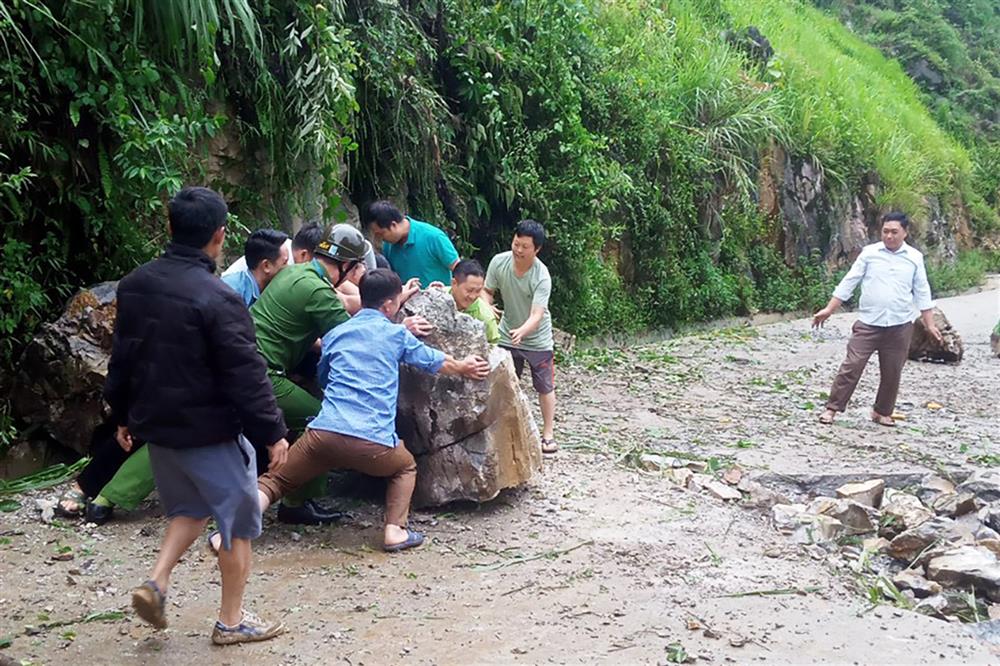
729	485
471	439
923	347
934	546
60	376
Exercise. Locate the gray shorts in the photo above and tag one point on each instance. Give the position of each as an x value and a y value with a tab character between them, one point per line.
218	481
542	364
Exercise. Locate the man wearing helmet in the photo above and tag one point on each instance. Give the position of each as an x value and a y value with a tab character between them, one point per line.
299	306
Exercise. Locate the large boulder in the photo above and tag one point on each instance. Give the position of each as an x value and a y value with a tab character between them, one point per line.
471	439
61	374
995	340
923	347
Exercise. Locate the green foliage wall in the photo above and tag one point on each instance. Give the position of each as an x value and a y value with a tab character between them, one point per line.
632	128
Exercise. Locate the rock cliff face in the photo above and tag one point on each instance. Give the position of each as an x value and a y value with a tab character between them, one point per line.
61	375
814	216
471	438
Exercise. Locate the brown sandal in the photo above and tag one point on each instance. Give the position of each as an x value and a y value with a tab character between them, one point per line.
826	418
882	420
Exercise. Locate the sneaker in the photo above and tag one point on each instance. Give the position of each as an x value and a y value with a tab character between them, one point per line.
310	513
250	630
150	604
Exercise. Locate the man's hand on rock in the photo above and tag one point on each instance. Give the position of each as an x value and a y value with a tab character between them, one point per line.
936	334
411	287
418	326
124	438
437	284
475	367
277	454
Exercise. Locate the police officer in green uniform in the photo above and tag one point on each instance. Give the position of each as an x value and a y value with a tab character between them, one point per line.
298	307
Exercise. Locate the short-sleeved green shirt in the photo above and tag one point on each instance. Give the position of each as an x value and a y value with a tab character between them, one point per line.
481	311
427	254
297	307
519	295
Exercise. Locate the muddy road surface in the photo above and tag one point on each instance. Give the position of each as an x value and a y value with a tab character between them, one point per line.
597	561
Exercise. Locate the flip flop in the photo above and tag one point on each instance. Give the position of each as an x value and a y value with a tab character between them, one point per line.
71	495
549	445
883	420
413	539
825	419
150	604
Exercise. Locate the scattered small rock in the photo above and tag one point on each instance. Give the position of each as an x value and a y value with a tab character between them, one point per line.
910	543
932	486
875	544
984	484
967	566
902	512
722	491
920	586
868	493
680	476
954	504
857	518
733	475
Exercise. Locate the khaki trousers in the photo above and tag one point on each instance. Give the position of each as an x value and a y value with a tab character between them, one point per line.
892	344
319	451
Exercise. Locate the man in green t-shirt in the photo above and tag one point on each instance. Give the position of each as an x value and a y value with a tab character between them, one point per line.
298	307
414	249
466	289
523	282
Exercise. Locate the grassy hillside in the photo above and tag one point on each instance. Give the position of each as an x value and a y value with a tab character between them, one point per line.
950	49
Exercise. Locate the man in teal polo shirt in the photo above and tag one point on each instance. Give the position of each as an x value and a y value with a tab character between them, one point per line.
413	248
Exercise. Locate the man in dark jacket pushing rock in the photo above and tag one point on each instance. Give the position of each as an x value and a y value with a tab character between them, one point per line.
186	378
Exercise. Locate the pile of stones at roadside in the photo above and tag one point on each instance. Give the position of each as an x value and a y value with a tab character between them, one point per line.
936	542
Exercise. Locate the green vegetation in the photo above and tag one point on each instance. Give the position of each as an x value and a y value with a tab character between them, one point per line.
949	47
634	129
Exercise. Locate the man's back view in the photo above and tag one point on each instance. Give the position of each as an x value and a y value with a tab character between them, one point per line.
186	378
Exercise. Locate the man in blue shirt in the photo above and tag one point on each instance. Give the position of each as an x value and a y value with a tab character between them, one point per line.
414	249
355	429
266	254
893	286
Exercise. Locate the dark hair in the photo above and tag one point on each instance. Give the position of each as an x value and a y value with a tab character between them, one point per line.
195	214
382	213
897	216
533	229
263	244
308	237
378	286
468	268
381	261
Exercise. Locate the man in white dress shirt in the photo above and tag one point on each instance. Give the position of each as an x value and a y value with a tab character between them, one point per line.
893	285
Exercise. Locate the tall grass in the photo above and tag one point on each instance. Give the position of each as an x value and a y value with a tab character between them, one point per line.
852	108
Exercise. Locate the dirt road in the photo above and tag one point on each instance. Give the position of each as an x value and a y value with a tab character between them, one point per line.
596	562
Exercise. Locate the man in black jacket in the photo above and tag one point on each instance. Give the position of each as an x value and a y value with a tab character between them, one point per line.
186	378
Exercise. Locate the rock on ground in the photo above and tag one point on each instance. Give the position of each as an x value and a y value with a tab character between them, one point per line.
865	492
923	347
60	377
471	439
967	566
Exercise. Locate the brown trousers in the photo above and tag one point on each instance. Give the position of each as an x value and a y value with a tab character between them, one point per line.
319	451
892	344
